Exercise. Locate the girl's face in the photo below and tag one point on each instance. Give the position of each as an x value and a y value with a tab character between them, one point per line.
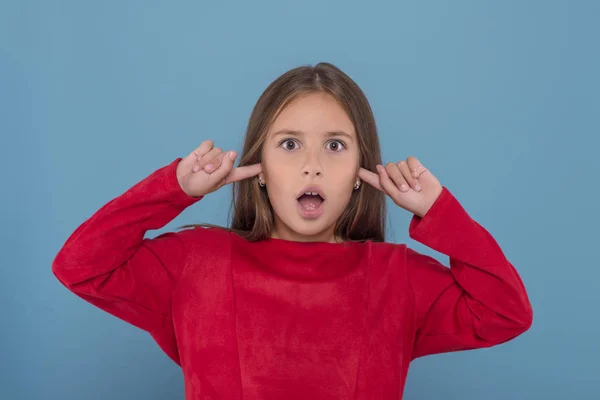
311	148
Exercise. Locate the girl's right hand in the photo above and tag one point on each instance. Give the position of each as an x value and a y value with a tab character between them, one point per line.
207	168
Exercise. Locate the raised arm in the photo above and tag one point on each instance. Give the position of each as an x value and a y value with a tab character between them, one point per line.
107	262
480	301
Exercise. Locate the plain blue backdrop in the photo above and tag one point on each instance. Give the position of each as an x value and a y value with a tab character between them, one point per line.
499	99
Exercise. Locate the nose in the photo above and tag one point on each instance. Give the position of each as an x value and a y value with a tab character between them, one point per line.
308	173
312	167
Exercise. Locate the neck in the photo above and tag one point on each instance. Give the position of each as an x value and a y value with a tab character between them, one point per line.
285	233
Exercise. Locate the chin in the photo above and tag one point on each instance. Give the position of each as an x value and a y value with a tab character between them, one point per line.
298	226
311	227
310	230
314	224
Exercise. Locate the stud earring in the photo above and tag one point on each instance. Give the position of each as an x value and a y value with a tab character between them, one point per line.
357	184
260	182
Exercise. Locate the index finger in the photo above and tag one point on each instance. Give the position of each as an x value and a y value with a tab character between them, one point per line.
370	177
239	173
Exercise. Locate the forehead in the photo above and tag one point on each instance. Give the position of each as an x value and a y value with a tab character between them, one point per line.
313	113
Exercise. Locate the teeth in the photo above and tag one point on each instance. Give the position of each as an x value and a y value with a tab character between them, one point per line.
311	193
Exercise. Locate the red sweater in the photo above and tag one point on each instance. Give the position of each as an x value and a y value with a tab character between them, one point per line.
296	320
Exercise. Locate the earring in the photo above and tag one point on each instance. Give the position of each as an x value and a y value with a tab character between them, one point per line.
357	184
260	182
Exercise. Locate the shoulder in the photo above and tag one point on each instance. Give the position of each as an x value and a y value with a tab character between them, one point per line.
402	256
204	237
386	256
207	233
207	248
386	249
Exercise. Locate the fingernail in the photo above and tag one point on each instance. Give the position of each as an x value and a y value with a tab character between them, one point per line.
208	167
232	155
418	187
403	187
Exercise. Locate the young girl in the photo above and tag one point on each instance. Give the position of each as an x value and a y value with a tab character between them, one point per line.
300	298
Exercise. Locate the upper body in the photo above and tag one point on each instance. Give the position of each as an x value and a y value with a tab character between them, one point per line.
300	297
285	319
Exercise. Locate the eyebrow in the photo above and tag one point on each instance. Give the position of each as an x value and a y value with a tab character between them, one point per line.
300	133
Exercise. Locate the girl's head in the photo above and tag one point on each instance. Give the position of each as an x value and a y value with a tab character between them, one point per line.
311	129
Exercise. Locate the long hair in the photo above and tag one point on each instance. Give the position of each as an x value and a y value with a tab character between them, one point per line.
364	217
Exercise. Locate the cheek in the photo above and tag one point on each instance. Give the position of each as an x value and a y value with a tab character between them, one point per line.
280	178
281	168
342	168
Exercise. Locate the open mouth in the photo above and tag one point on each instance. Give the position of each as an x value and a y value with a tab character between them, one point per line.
310	201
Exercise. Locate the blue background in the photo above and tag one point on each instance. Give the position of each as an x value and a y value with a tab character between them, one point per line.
499	99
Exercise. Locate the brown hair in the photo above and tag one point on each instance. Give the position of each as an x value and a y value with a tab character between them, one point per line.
364	217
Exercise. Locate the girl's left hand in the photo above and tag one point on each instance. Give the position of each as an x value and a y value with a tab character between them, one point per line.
409	184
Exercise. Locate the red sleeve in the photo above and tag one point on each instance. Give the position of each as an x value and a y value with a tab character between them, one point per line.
107	262
480	301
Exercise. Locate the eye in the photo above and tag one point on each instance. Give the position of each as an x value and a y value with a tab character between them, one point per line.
336	145
289	144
